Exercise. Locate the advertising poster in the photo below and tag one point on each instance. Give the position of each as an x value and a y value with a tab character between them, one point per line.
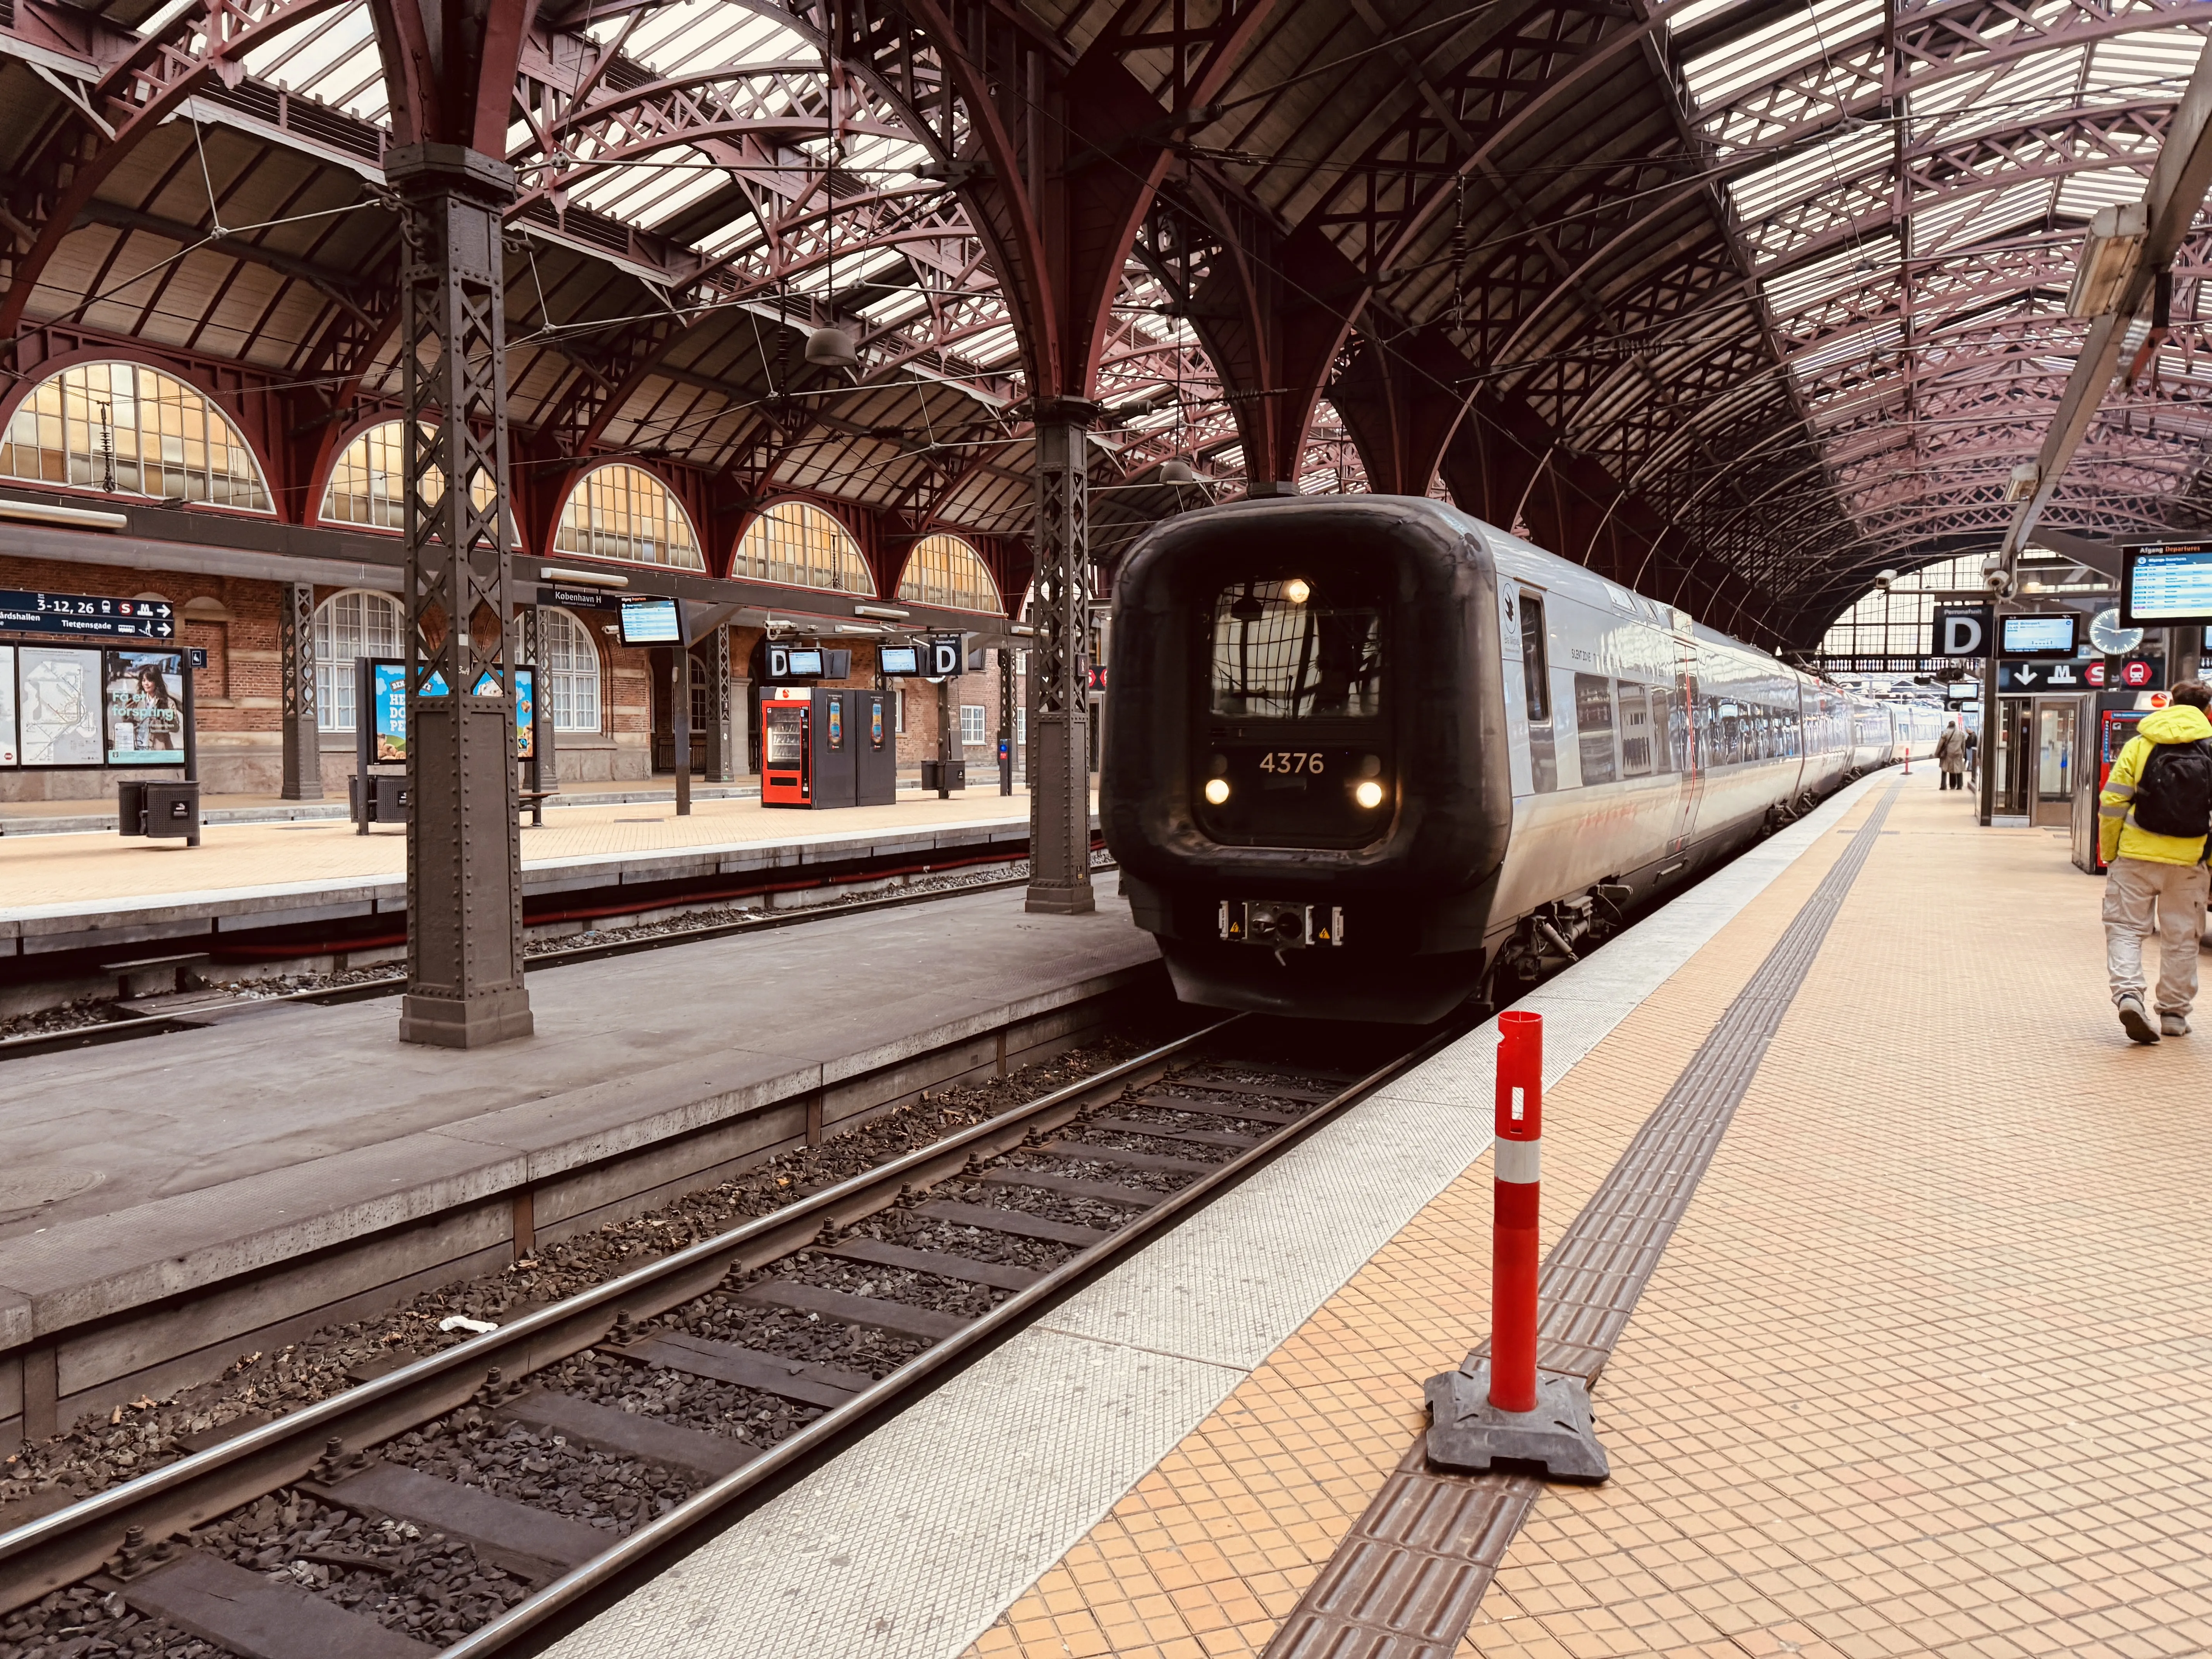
10	756
390	704
58	705
145	697
526	713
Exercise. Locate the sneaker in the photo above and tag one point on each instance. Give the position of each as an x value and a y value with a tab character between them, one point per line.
2173	1024
2135	1022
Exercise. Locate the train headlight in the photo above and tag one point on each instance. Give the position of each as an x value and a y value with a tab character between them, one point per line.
1297	591
1216	790
1368	793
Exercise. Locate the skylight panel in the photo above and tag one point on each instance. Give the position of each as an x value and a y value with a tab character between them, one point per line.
2081	195
2154	64
1874	262
1795	178
1819	29
2012	96
1860	345
1982	215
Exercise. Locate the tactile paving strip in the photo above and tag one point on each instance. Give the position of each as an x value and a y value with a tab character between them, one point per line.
1407	1580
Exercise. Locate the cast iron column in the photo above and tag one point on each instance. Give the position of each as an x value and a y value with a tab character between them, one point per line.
465	986
1060	774
296	645
721	756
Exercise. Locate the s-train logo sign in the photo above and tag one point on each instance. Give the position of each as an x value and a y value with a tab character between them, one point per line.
1961	630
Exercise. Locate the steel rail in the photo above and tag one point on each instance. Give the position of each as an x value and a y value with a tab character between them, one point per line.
707	1503
51	1551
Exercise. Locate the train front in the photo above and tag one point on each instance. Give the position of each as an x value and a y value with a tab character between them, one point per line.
1305	779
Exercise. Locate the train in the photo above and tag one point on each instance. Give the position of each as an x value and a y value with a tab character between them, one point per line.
1368	758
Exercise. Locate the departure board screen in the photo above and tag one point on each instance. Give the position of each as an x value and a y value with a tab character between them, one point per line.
648	621
2167	582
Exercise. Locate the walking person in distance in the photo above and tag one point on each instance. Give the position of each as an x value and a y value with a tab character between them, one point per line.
1951	756
1973	757
2152	820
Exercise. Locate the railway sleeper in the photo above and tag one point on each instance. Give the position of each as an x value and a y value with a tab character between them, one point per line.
257	1617
534	1544
801	1382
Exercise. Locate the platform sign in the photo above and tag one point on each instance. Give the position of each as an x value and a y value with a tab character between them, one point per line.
2024	679
579	598
1961	630
29	612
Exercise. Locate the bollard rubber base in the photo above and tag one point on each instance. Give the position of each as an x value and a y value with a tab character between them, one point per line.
1468	1434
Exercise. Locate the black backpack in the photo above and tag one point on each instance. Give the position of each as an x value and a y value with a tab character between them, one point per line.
2173	796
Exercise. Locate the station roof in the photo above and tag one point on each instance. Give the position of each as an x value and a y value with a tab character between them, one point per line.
1793	275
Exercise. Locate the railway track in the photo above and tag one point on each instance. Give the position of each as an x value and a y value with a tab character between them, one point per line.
457	1503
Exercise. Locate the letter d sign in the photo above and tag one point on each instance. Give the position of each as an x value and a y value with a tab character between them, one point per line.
1962	635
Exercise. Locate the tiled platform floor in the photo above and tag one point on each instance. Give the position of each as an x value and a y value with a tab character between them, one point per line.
93	866
1924	1370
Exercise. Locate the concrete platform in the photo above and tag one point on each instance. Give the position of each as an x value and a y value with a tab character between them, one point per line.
1921	1370
166	1200
320	886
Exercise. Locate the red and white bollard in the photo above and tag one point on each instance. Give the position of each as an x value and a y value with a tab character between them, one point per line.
1518	1156
1497	1406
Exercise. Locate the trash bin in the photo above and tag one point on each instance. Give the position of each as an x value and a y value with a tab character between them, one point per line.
130	808
955	774
173	812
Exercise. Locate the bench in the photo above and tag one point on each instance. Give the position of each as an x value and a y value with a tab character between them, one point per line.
180	965
535	799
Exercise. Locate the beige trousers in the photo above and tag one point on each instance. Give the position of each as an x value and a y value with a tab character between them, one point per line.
2139	895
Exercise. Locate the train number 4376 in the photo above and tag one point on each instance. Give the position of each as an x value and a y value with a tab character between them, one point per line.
1291	760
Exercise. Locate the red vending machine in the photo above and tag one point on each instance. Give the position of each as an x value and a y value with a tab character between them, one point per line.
787	745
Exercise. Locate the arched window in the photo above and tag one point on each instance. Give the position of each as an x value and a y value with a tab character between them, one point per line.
801	545
357	623
625	512
368	484
944	570
571	671
131	430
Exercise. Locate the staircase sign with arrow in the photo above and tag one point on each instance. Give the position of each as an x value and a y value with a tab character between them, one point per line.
83	614
2023	677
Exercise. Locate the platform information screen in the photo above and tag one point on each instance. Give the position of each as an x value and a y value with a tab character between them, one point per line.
2167	582
2041	636
804	662
648	621
899	659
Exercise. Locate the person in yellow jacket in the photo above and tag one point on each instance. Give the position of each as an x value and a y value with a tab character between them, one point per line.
2157	879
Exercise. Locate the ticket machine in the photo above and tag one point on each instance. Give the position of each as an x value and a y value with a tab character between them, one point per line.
875	748
2116	718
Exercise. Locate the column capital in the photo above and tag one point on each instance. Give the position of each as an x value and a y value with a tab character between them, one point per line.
1066	411
426	169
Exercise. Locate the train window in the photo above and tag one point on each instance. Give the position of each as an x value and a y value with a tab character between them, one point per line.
1535	675
1594	727
1635	730
1279	652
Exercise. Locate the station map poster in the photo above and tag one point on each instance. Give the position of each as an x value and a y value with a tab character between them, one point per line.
145	707
10	754
58	706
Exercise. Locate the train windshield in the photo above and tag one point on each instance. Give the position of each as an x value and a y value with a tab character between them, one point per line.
1281	652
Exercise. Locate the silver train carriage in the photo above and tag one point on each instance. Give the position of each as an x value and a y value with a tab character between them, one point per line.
1367	756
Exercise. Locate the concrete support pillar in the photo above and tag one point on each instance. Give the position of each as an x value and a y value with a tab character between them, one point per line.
296	642
1059	775
464	984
